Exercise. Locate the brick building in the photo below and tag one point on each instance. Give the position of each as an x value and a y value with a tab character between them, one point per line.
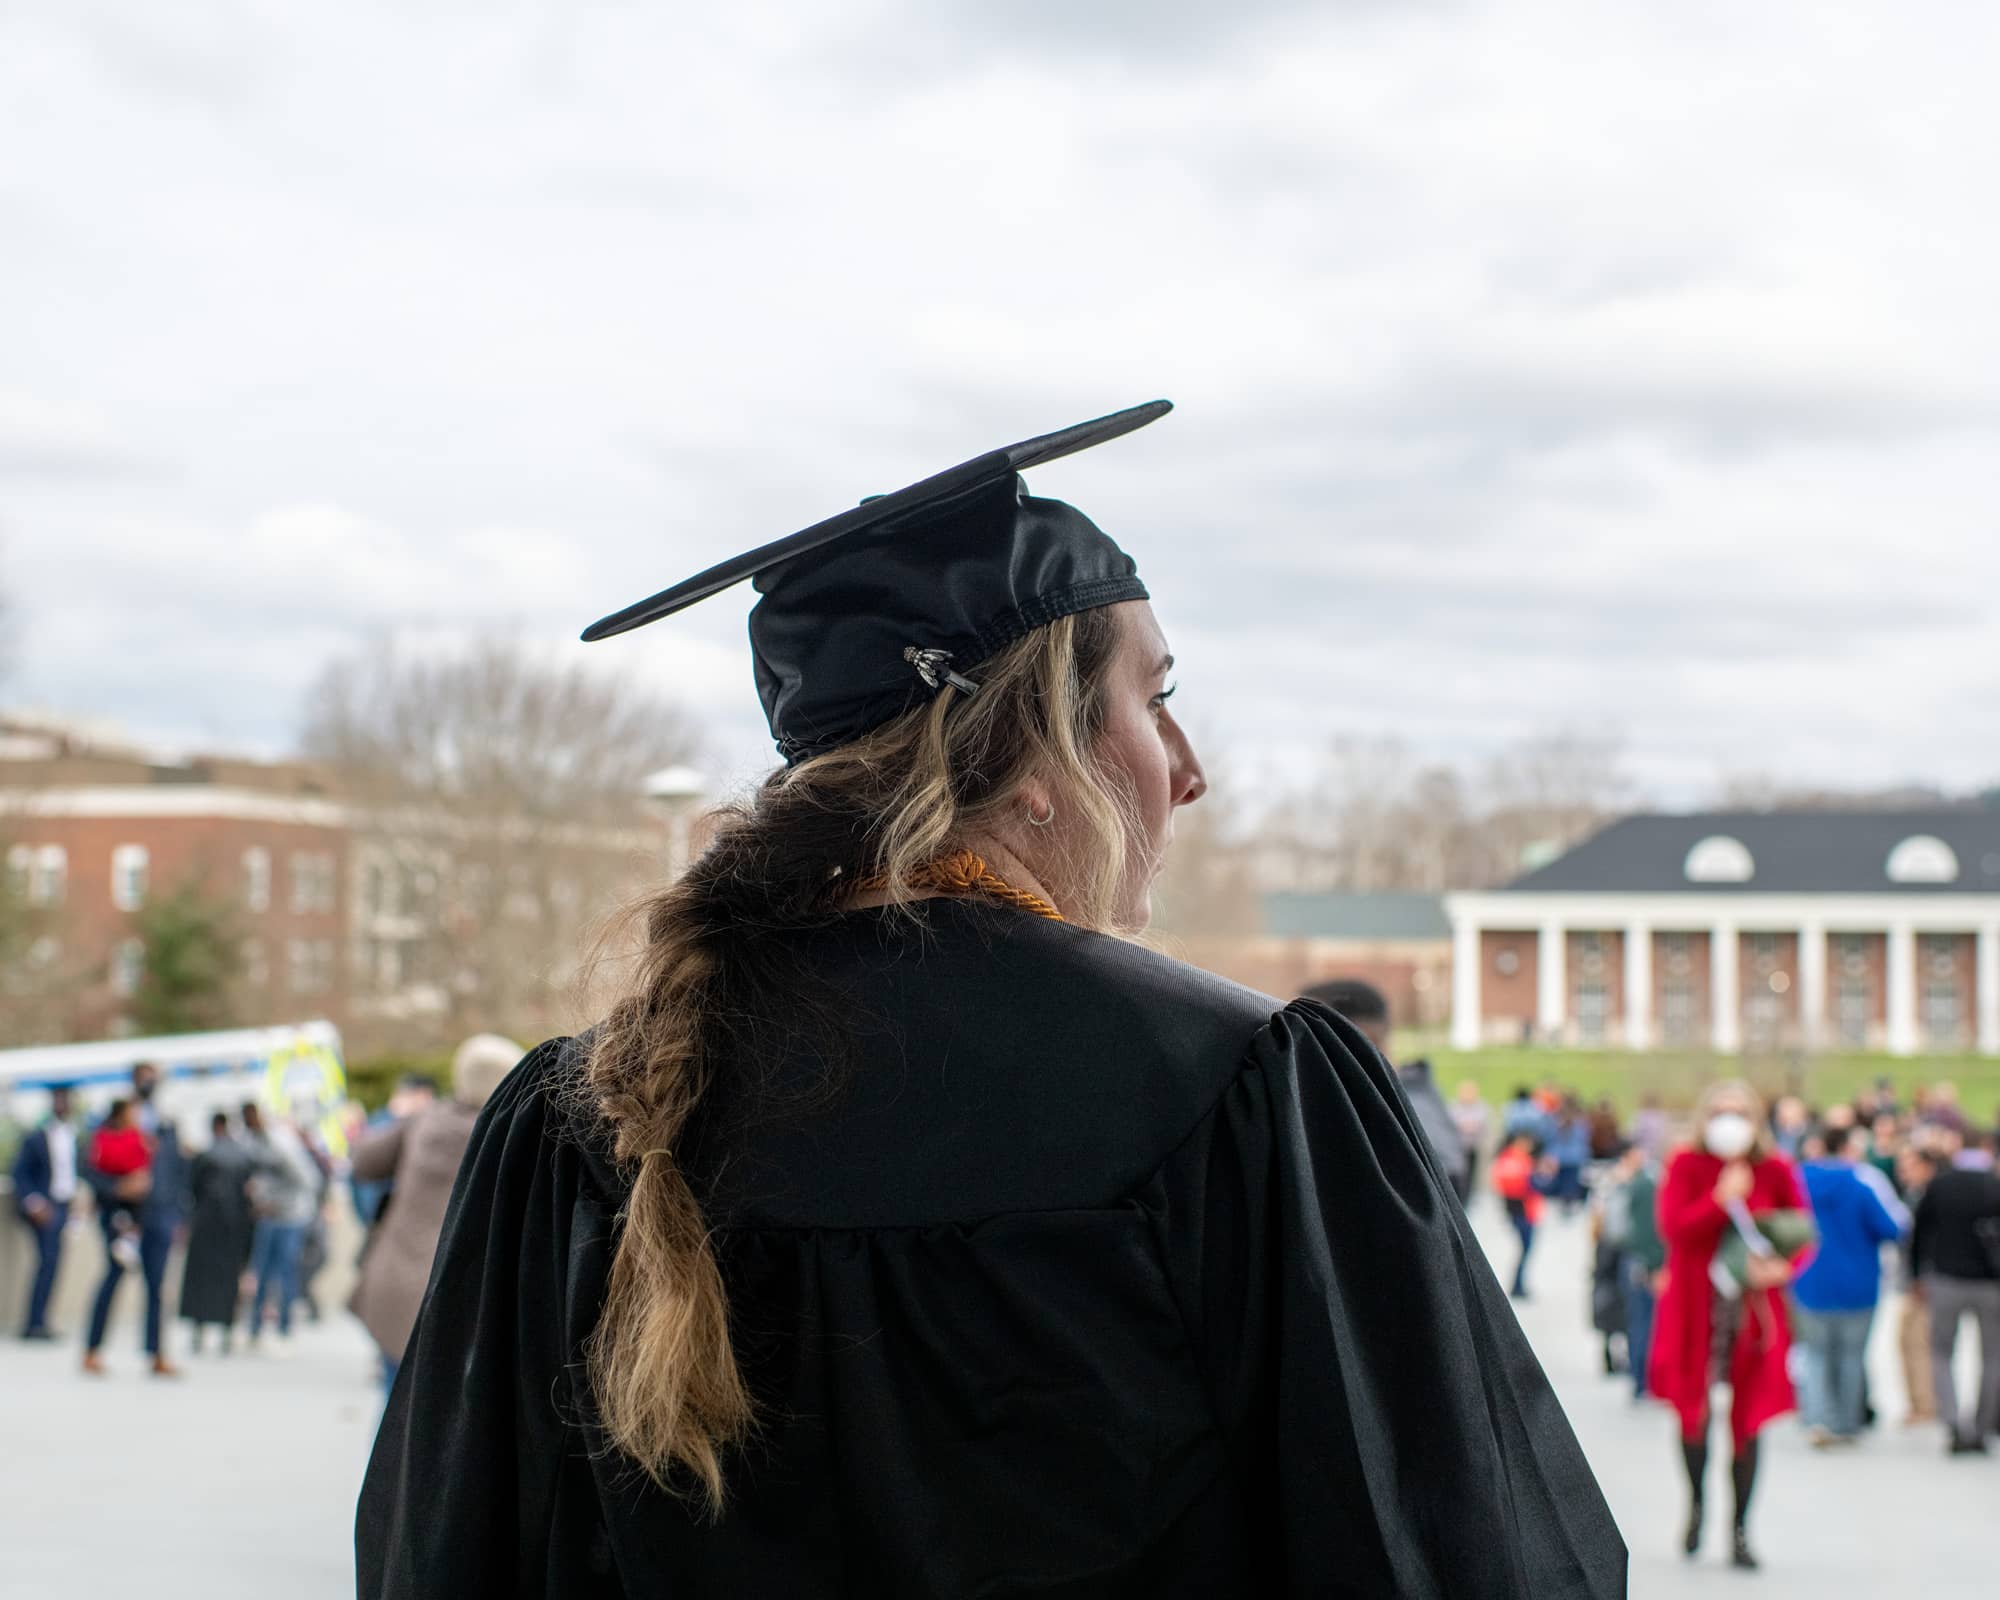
90	835
390	921
1744	931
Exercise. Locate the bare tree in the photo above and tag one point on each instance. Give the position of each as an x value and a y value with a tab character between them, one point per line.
1548	793
1376	818
1207	890
1761	792
501	798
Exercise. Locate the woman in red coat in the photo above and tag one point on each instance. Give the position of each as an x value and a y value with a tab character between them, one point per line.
1702	1336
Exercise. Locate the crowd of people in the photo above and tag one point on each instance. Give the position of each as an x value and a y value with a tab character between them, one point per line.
250	1208
1756	1250
1745	1247
1749	1248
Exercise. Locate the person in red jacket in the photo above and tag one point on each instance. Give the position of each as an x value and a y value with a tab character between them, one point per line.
1703	1336
122	1150
1520	1180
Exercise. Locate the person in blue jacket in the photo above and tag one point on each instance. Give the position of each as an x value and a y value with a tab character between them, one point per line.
45	1182
1569	1147
1856	1213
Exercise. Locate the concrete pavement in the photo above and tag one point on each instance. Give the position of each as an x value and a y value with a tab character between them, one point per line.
239	1480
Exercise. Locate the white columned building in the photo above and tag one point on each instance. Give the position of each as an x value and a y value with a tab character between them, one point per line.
1823	931
1465	1000
1638	984
1812	982
1725	1001
1551	980
1901	977
1987	967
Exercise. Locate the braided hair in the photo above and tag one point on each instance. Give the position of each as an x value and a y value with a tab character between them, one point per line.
713	959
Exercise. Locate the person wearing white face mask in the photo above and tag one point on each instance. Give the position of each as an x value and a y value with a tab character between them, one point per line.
1703	1335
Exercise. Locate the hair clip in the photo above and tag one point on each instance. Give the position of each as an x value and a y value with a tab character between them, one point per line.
934	667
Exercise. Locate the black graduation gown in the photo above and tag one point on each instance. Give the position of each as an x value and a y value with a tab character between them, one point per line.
1094	1275
219	1231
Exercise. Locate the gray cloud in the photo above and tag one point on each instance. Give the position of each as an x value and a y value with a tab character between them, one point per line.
1518	404
958	38
27	461
1512	395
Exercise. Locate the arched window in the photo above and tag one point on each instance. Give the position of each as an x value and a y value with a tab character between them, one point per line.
1922	858
1719	859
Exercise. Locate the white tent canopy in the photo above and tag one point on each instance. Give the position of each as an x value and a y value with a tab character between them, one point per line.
201	1072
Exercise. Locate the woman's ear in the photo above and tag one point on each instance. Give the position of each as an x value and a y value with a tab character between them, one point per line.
1036	803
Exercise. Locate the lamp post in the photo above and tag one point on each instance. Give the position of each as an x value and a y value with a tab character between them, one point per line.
676	793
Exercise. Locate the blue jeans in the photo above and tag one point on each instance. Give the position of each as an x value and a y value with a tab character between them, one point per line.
1833	1366
1638	1320
274	1258
156	1243
48	1257
1518	1215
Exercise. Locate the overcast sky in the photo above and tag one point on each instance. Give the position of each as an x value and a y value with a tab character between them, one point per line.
1614	366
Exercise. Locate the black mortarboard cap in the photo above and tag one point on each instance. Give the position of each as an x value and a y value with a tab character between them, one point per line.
869	610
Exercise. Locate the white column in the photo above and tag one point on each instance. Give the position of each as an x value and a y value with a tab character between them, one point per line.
1986	984
1902	956
1812	983
1725	1006
1551	981
1638	985
1465	954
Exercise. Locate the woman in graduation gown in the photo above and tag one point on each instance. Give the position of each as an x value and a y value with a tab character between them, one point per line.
904	1231
219	1234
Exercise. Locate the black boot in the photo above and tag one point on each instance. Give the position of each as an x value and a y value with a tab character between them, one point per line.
1694	1457
1743	1479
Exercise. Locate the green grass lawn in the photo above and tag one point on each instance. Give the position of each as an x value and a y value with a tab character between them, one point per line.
1677	1077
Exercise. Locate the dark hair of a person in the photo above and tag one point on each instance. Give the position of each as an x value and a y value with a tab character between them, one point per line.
116	1110
1834	1137
713	957
219	1123
1523	1092
1352	998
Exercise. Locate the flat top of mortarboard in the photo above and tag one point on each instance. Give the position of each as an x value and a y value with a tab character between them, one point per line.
904	504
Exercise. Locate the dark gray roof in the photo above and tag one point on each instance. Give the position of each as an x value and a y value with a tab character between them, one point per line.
1802	852
1290	914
